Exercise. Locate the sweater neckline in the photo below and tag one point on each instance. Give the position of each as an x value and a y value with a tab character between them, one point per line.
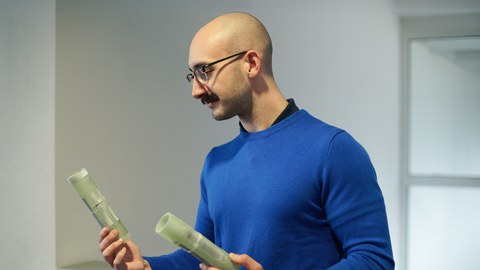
289	110
273	129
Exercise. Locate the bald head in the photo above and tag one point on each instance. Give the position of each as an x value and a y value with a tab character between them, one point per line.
235	32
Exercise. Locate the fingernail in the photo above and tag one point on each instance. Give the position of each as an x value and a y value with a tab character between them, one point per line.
202	266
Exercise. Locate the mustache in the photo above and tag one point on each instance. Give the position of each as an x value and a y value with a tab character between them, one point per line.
209	98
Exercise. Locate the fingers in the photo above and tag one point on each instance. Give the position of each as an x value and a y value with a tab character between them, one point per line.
129	257
106	238
243	259
133	249
109	244
246	261
112	248
119	258
205	267
104	232
120	254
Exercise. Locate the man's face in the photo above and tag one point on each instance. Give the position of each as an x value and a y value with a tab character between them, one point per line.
227	92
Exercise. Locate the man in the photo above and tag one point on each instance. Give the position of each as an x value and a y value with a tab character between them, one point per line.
290	191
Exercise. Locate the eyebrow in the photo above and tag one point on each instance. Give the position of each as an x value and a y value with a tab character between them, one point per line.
197	66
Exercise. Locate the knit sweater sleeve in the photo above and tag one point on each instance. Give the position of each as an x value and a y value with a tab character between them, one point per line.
355	207
178	260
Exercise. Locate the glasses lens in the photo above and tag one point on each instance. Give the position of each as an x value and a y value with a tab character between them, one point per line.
201	75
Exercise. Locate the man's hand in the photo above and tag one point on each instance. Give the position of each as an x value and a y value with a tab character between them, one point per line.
120	255
243	259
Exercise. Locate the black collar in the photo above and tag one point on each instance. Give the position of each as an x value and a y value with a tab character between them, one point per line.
289	110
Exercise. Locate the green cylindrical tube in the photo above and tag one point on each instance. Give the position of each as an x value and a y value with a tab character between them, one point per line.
95	201
181	234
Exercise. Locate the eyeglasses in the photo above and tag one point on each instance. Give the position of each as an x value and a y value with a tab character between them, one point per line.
201	71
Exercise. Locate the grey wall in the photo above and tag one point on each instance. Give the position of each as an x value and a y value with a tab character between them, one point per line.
124	111
27	212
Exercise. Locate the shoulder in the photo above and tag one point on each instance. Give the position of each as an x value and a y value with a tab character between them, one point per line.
338	145
310	126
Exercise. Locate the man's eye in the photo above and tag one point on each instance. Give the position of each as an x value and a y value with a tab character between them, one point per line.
207	69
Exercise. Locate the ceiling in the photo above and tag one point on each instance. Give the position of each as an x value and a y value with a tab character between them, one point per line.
407	8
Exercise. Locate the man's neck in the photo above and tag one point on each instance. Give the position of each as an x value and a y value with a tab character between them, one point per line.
263	114
289	110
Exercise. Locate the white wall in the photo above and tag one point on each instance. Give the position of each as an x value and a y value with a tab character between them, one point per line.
419	191
124	109
444	112
27	211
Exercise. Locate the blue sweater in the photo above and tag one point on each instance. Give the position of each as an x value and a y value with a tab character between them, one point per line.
299	195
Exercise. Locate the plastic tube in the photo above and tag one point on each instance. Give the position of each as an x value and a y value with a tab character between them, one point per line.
95	201
181	234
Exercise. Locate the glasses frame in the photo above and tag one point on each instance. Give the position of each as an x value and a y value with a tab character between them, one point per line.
202	68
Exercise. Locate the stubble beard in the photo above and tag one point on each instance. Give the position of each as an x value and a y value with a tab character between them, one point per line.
234	105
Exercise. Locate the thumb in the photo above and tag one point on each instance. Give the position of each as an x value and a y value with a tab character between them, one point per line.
246	261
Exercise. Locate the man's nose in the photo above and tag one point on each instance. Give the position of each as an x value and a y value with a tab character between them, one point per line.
198	89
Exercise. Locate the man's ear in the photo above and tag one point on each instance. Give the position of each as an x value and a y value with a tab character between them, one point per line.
254	63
